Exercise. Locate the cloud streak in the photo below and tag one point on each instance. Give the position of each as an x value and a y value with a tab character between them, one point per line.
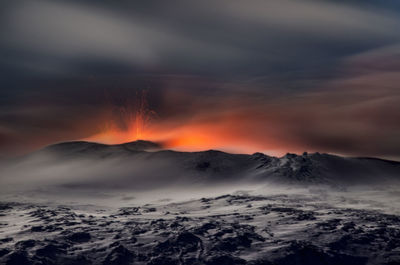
273	76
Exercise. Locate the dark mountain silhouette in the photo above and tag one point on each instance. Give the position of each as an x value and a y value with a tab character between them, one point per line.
217	166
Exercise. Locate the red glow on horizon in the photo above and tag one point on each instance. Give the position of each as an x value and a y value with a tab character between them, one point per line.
184	138
135	116
231	131
191	136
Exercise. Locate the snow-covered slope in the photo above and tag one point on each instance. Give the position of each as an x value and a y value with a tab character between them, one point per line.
326	168
88	203
145	164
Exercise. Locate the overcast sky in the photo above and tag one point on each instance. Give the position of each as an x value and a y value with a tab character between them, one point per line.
274	75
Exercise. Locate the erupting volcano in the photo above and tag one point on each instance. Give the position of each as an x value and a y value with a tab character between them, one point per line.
211	132
132	118
127	120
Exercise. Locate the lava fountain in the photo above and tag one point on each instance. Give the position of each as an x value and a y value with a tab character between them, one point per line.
131	118
128	120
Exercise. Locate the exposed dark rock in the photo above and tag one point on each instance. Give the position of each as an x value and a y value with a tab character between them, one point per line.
4	252
50	250
208	226
303	253
225	260
163	261
80	237
185	241
188	241
233	243
37	228
26	244
7	239
5	206
18	258
119	256
130	211
149	210
80	260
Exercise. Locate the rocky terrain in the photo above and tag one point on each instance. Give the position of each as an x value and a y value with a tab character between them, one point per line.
228	229
83	203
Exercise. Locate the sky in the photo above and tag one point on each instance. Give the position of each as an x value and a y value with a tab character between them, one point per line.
273	76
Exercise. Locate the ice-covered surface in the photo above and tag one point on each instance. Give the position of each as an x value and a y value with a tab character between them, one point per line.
87	203
271	225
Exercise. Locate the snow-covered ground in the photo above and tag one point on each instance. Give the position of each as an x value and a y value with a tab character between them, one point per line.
235	225
84	203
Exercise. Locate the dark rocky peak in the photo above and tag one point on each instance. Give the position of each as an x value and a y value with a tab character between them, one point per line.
142	145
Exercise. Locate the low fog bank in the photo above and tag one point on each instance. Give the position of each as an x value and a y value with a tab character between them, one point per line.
141	171
114	199
115	176
381	198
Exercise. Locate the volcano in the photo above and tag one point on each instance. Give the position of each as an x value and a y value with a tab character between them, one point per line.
216	166
137	203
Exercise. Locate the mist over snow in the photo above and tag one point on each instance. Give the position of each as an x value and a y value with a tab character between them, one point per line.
214	132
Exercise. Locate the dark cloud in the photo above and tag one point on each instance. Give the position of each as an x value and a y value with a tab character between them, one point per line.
204	37
271	75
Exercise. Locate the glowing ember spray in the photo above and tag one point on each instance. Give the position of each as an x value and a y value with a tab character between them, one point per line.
143	114
128	120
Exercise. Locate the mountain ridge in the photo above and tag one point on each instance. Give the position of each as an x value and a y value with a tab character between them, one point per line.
215	165
145	145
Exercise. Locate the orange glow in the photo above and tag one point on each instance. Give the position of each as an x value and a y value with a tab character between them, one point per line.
222	133
135	117
236	131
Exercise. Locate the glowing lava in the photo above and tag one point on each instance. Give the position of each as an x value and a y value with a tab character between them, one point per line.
232	131
191	136
126	123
